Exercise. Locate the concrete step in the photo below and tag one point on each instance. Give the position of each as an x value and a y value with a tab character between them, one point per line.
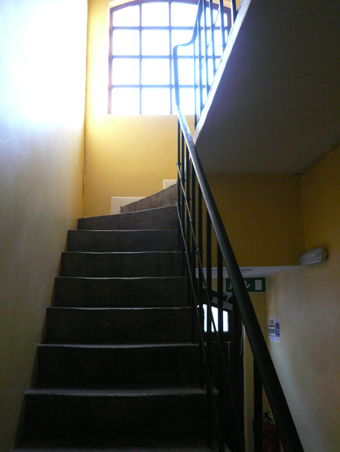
121	292
112	365
115	413
161	218
130	444
166	197
138	240
151	263
118	325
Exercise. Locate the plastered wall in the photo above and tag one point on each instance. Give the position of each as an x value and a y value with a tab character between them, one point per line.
262	216
127	155
42	90
306	301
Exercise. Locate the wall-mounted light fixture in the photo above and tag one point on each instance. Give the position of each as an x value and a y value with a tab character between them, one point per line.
314	256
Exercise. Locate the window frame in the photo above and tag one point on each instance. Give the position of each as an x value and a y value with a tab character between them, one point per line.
140	57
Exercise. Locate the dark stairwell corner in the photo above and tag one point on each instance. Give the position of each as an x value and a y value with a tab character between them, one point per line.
118	369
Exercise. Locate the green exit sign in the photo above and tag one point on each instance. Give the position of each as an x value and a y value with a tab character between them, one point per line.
252	284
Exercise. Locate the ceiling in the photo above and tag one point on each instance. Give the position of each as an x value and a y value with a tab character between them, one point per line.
275	103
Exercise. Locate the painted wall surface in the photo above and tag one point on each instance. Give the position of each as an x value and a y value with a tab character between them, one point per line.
128	155
42	90
262	216
306	301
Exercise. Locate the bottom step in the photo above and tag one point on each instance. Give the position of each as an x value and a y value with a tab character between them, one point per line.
124	445
115	413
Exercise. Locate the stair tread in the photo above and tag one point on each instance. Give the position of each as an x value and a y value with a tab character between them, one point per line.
120	309
140	391
120	346
125	278
117	445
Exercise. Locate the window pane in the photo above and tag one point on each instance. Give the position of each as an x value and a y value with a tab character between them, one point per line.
182	37
126	17
125	71
155	14
183	14
125	42
125	101
155	101
155	42
186	99
215	317
186	71
155	72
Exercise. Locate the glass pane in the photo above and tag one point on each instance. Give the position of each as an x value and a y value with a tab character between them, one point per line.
215	317
126	17
218	43
155	72
125	71
155	101
125	101
155	42
186	100
183	14
125	42
182	37
186	71
155	14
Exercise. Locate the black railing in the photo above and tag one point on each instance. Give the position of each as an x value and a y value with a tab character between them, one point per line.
210	33
195	202
205	241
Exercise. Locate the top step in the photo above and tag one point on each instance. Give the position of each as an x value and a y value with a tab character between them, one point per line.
160	218
164	198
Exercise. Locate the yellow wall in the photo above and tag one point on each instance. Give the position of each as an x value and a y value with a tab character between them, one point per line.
306	301
42	87
262	216
125	156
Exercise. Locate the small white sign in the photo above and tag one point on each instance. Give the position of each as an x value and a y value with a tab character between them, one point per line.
274	329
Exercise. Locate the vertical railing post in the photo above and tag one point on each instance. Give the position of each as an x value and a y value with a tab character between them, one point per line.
210	394
222	23
221	400
258	410
206	45
212	31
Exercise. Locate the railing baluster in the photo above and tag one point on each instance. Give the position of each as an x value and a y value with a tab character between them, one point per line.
258	411
206	46
220	338
212	31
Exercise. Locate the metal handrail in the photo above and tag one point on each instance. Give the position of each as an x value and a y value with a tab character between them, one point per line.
202	7
286	427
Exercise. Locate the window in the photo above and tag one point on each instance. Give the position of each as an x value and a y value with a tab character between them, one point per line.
142	36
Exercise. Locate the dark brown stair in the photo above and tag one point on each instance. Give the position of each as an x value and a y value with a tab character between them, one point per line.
118	368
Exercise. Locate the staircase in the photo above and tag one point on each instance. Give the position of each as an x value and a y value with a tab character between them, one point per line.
118	369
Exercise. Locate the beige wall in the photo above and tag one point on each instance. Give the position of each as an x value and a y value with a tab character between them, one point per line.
42	87
128	155
306	301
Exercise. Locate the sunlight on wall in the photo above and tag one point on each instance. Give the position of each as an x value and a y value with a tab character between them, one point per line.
42	90
125	155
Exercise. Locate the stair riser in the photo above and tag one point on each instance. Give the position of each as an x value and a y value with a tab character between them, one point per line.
116	292
166	197
67	366
66	416
121	264
118	326
105	241
162	218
